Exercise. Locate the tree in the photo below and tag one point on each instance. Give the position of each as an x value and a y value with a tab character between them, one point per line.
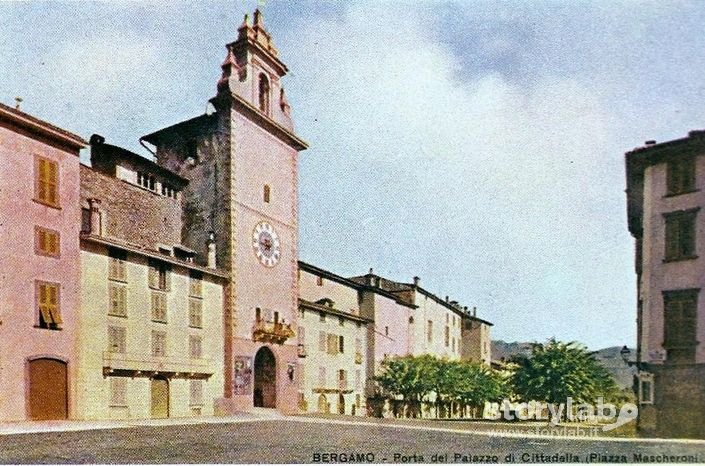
403	379
557	370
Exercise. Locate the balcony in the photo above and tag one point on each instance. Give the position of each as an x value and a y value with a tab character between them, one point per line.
271	332
358	358
142	365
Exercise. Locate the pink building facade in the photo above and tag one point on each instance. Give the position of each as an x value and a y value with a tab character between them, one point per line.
39	283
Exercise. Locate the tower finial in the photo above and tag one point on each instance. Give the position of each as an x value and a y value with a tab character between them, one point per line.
245	21
259	22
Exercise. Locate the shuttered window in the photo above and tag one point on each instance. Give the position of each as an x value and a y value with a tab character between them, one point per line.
196	285
322	341
47	181
196	393
118	300
46	242
680	325
158	275
680	235
117	339
117	265
158	343
118	391
158	306
680	176
47	297
195	344
195	313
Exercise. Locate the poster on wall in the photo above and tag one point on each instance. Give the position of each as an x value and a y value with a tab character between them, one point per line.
242	375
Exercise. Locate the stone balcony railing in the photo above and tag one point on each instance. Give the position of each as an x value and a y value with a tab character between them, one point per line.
142	365
271	332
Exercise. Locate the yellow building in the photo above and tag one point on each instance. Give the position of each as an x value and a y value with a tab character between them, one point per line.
332	344
150	331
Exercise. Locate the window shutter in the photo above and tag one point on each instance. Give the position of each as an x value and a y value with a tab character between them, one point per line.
54	304
322	341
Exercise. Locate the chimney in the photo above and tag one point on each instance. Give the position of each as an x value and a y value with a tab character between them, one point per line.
447	299
95	217
417	280
474	311
211	250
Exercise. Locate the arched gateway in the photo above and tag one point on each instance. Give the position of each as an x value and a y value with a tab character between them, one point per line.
265	387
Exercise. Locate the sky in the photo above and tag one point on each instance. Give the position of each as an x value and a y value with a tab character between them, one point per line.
478	145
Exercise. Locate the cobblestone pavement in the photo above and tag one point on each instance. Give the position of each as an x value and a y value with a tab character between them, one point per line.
308	440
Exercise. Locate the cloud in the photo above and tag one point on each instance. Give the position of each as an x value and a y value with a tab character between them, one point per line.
500	192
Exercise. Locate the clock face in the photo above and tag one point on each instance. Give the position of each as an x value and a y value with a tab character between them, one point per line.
265	243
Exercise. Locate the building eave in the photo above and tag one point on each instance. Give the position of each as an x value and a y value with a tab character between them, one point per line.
33	124
331	310
132	248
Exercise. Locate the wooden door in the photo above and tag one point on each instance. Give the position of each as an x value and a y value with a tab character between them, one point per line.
48	389
160	398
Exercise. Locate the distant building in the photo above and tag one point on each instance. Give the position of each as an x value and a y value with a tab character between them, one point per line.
332	338
665	194
151	322
39	283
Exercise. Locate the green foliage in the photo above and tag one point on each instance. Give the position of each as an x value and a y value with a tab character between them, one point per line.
557	370
458	384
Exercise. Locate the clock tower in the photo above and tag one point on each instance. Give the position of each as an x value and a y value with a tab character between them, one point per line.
241	211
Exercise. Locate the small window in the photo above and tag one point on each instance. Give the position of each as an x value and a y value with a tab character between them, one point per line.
158	343
301	336
117	339
646	388
264	94
429	331
319	281
195	344
447	336
680	235
411	319
196	393
117	305
341	321
195	313
46	242
196	284
158	275
386	331
680	175
358	382
158	307
46	186
341	344
118	392
266	193
48	305
322	376
322	316
117	267
86	220
332	344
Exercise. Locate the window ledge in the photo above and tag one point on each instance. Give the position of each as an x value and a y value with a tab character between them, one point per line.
680	259
118	280
47	204
122	316
58	329
680	193
159	321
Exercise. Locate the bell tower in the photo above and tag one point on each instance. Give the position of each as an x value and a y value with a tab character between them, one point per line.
241	208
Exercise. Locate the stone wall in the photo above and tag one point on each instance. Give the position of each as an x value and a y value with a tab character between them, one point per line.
132	213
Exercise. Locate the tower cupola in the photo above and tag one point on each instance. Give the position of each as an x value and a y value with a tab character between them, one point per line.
252	71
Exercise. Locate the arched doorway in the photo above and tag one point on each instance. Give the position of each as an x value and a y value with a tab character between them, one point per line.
341	404
159	387
48	389
265	389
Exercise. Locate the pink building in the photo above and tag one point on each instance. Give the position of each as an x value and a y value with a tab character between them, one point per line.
39	283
